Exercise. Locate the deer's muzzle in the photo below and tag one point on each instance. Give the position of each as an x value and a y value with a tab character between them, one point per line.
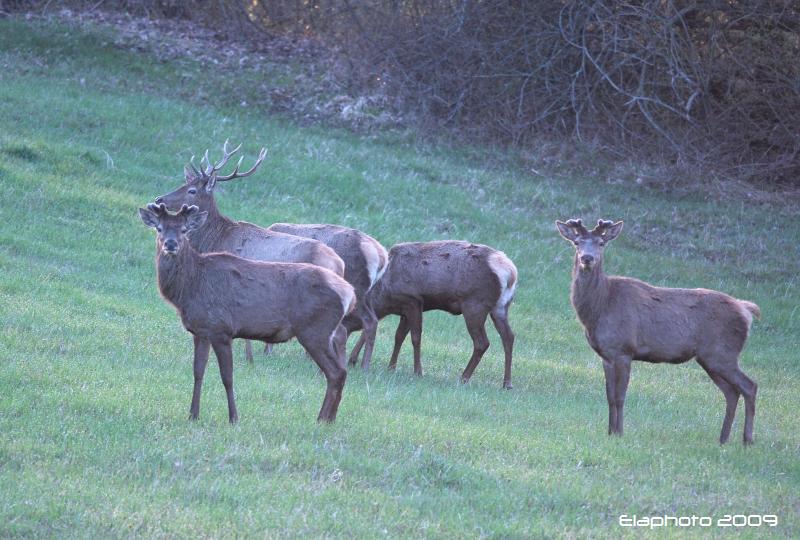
171	246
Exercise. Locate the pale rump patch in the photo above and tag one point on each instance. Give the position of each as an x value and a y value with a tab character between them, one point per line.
506	274
748	309
342	288
375	256
349	301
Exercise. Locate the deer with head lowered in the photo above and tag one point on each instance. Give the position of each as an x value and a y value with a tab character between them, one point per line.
462	278
364	263
241	238
626	319
220	296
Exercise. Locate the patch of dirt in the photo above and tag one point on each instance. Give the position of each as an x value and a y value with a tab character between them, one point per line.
314	84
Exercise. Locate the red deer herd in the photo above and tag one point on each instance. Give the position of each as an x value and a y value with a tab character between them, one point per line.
319	283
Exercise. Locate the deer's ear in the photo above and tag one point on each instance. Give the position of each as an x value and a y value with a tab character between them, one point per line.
195	219
613	231
148	217
189	174
211	183
567	232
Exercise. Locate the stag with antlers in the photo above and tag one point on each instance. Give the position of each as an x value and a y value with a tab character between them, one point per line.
222	234
364	257
220	296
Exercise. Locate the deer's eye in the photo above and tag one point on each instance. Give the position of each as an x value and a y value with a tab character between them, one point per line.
602	242
191	191
159	229
183	229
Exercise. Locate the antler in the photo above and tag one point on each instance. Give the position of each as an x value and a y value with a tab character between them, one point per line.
157	209
577	224
602	225
236	174
210	169
187	210
190	168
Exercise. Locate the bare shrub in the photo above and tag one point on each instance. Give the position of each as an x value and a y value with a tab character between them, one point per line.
709	86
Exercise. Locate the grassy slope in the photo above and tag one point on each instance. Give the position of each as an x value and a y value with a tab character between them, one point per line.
95	375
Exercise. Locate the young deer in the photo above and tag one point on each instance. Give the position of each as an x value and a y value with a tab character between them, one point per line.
364	262
461	278
220	296
626	319
241	238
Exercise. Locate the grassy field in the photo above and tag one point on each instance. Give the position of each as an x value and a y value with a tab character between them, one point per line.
95	370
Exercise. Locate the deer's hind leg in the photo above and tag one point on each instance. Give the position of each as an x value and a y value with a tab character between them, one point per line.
328	353
414	317
724	362
339	342
369	330
399	337
357	349
748	388
500	320
475	318
731	399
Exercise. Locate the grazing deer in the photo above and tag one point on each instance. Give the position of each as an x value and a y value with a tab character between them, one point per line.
364	263
461	278
241	238
626	319
220	296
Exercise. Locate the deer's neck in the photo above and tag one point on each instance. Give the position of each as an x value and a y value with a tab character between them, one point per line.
211	236
590	293
176	274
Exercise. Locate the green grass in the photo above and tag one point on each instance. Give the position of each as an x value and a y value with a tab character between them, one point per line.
95	371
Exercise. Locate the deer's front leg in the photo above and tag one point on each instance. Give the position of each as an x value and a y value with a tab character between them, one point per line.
201	350
610	371
222	348
622	366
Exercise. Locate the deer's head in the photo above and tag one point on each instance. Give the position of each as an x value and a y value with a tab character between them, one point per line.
199	184
172	228
588	244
